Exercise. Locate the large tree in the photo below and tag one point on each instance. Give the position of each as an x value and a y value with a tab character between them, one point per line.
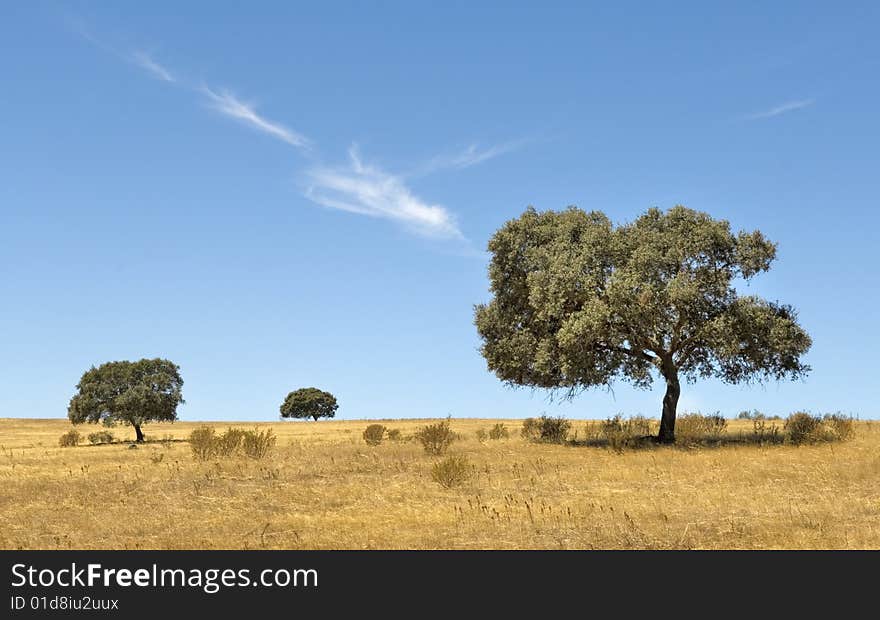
579	302
309	403
129	393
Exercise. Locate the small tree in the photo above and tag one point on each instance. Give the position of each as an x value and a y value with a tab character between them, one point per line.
307	403
134	393
580	303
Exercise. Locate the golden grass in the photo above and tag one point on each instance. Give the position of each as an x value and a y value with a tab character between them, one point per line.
323	487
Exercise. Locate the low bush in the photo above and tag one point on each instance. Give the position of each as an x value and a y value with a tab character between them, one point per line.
374	434
764	432
205	443
452	471
621	432
257	444
696	427
840	427
481	435
69	439
436	438
530	430
202	442
546	429
801	428
101	437
394	434
499	431
804	428
228	443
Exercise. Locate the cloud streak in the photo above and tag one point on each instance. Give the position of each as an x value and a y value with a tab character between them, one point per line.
355	187
144	61
228	105
470	156
782	109
367	190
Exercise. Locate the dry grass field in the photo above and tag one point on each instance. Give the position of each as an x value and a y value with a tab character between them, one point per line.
323	487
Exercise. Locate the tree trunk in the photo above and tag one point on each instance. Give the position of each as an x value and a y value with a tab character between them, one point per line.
316	417
670	404
137	431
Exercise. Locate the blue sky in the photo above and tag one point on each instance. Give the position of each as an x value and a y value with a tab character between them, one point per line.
293	194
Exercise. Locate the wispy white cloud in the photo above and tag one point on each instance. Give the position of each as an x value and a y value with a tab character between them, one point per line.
229	105
782	109
143	60
367	190
471	156
357	187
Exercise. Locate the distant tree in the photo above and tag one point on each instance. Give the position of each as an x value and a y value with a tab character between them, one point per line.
309	403
134	393
580	303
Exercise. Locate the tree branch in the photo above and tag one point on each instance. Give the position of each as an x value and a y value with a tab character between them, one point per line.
631	352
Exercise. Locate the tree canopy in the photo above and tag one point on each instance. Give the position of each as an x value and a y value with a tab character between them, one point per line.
128	392
578	302
309	402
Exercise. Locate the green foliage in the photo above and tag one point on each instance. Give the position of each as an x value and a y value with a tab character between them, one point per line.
546	429
374	434
101	437
436	438
128	392
206	444
453	471
578	302
307	403
69	439
695	427
499	431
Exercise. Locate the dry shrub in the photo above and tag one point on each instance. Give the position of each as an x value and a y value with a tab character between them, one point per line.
229	442
764	432
481	435
803	428
101	437
205	443
393	434
202	442
452	471
374	434
546	429
530	430
621	432
499	431
69	439
257	444
695	427
436	438
840	427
